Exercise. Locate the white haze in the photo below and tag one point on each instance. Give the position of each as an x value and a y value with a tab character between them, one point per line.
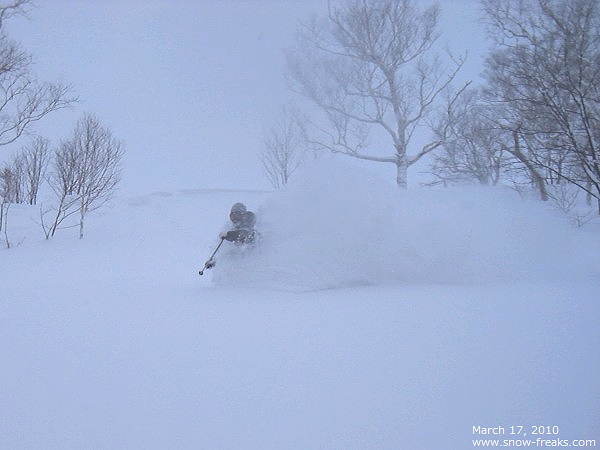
189	86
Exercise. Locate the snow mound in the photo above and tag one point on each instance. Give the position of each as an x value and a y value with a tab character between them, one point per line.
336	225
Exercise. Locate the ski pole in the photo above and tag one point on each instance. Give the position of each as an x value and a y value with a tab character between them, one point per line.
211	257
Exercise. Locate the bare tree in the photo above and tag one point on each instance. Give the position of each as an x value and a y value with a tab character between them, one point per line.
86	173
9	185
100	165
6	194
23	98
36	156
371	66
12	179
284	147
22	175
545	72
62	180
473	149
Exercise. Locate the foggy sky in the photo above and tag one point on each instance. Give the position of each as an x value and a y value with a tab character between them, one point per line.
189	86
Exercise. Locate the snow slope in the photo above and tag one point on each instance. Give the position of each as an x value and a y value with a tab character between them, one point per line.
367	318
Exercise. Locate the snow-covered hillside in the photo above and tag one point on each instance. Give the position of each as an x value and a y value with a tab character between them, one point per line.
366	318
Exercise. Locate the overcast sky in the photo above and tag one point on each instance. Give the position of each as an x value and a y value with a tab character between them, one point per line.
190	85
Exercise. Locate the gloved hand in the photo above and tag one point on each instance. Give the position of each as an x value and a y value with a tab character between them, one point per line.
210	263
223	235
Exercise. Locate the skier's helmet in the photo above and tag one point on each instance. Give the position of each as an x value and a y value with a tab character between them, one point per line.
237	212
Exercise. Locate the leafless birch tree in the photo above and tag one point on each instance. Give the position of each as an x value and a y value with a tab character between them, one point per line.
474	150
284	147
36	156
545	74
371	65
87	170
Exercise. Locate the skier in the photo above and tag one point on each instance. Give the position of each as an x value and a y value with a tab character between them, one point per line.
243	221
242	230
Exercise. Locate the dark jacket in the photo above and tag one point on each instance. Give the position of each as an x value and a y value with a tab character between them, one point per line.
243	231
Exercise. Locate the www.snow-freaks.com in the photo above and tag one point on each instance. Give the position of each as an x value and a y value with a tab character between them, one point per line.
539	442
549	440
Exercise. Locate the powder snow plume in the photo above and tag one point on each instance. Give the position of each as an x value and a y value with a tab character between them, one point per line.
336	225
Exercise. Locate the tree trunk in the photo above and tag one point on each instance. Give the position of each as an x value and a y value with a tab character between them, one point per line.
82	212
535	175
401	172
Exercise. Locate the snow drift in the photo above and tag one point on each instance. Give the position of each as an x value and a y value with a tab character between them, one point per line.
337	225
